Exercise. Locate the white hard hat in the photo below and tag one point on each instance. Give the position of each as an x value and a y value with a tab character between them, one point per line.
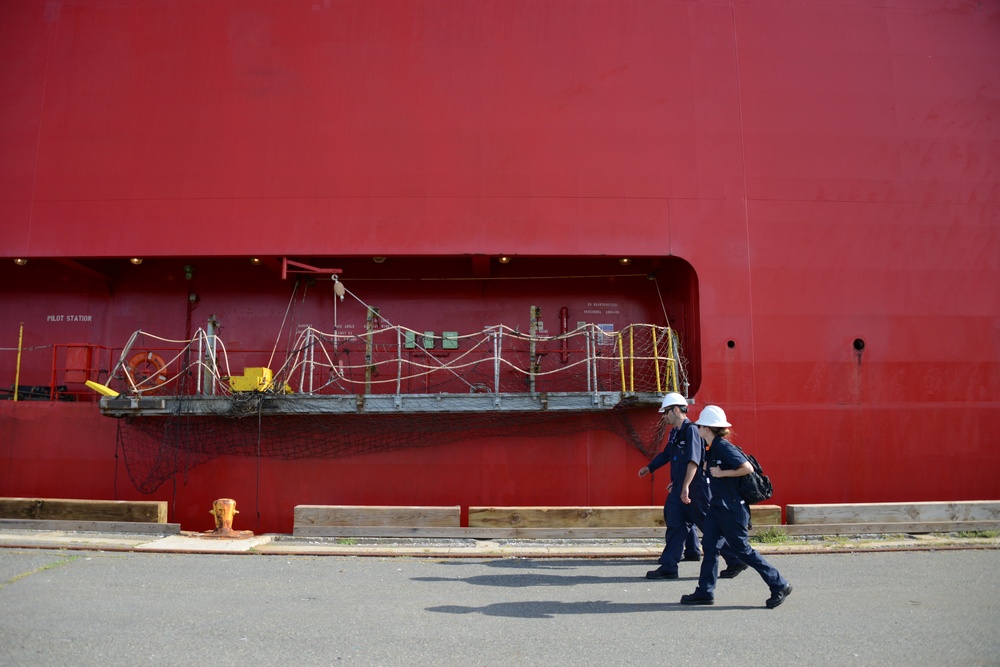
672	399
712	415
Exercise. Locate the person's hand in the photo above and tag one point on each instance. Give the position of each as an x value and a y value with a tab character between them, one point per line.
715	471
685	498
643	471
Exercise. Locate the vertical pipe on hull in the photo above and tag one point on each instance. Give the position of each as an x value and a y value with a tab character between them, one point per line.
191	301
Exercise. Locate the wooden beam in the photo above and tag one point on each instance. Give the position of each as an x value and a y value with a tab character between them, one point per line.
591	517
479	533
376	515
564	517
636	533
891	528
403	531
140	527
765	515
982	510
603	533
61	509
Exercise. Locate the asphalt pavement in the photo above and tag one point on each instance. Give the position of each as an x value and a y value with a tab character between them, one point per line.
280	544
96	607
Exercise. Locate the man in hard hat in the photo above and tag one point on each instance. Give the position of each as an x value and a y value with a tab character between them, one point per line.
687	494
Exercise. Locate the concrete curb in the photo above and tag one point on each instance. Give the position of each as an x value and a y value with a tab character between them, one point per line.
286	545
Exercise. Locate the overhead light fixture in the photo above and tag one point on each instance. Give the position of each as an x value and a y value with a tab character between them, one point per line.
20	261
255	261
378	260
503	259
136	260
624	261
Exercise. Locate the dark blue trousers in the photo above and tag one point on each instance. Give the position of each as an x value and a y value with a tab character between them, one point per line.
692	545
729	527
679	517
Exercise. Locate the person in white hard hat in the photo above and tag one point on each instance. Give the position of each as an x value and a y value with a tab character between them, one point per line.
688	493
728	515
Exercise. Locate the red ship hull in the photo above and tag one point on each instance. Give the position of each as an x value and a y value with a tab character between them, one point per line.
808	192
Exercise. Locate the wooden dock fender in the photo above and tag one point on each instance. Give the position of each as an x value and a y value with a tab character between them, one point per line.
378	515
591	517
883	513
63	509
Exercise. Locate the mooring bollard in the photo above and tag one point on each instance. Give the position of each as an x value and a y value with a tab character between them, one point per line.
224	510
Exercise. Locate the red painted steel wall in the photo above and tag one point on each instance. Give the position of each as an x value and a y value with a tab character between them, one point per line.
75	457
830	170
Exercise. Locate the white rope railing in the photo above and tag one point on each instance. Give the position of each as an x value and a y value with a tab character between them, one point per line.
639	358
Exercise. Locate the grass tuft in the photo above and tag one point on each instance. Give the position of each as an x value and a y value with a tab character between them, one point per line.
770	536
979	533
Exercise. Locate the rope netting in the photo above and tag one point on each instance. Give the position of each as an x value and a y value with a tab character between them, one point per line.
157	448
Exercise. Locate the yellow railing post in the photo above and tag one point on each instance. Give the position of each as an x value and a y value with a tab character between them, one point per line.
631	357
17	373
621	360
656	359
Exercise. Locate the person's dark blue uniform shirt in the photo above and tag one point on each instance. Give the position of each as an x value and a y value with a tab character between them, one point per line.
683	446
725	490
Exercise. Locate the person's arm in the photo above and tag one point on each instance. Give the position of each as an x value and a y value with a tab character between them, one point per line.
658	461
689	474
744	469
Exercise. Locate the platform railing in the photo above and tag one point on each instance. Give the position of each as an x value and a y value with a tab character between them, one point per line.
639	358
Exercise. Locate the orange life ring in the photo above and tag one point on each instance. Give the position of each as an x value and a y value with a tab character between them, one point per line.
148	368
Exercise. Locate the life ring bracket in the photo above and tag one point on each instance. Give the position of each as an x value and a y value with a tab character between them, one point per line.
148	368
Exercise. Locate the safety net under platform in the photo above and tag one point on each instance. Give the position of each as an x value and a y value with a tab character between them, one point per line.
183	403
157	448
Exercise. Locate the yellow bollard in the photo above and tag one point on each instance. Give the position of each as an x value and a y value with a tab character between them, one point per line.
224	510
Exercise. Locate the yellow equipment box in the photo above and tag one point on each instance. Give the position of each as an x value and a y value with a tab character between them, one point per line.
253	379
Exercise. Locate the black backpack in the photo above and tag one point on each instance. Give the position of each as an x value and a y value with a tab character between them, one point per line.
756	486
